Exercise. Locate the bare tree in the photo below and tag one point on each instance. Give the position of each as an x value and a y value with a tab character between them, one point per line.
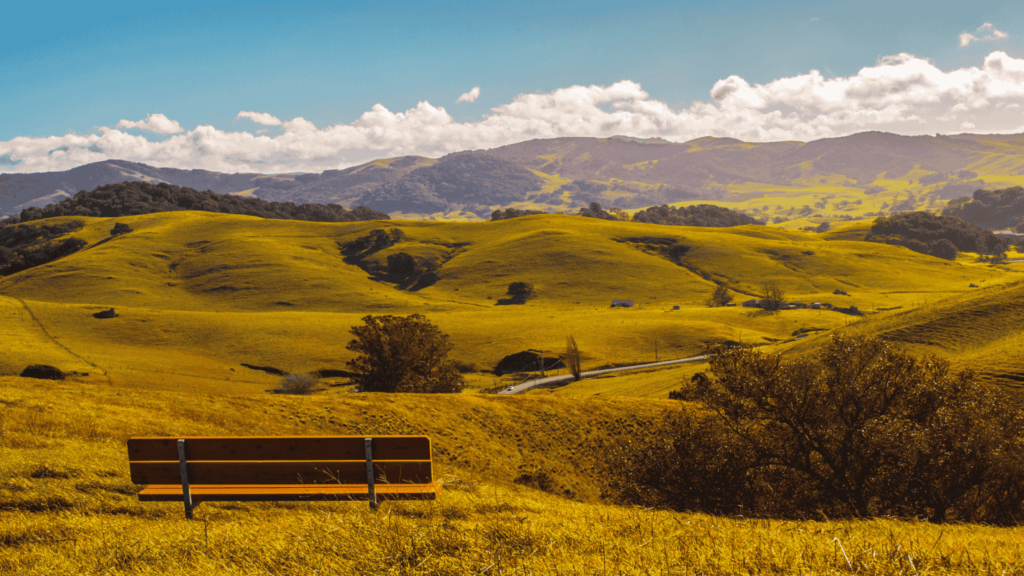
772	296
720	297
572	357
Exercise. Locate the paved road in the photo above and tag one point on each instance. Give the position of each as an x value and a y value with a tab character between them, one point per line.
551	380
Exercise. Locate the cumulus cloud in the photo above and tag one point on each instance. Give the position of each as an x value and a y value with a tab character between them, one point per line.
470	96
157	123
260	118
988	33
903	94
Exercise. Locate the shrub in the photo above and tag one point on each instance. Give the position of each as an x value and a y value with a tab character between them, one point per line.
297	384
863	429
402	355
465	367
42	372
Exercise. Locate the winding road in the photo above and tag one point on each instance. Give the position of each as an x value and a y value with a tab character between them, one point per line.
553	380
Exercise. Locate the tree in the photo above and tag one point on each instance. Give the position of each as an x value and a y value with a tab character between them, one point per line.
120	228
520	292
772	296
720	297
572	357
402	355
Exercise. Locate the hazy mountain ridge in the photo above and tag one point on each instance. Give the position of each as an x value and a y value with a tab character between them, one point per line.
891	172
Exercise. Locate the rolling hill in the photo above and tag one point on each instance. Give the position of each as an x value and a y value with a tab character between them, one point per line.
835	179
200	294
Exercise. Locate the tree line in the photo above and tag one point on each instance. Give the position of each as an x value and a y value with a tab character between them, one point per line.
132	198
705	215
24	246
941	236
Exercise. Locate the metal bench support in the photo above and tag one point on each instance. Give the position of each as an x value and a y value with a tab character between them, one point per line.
186	492
368	442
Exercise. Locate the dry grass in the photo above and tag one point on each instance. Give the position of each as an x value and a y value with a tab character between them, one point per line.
68	506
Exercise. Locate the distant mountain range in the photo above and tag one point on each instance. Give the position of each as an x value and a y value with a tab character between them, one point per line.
567	173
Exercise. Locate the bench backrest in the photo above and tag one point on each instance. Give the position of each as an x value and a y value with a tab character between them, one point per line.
281	460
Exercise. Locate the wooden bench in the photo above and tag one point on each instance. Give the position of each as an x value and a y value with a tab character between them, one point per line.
280	468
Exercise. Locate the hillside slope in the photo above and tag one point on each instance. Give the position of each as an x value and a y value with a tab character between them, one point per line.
200	294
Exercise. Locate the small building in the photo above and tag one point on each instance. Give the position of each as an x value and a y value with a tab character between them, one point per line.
752	304
622	303
816	306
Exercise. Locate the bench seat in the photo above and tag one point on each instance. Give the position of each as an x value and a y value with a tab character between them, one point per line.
287	492
282	468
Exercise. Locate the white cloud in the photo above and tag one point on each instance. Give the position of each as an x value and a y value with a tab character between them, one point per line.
260	118
903	94
988	33
470	96
154	123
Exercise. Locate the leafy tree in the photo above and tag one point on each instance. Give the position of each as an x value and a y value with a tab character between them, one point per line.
720	297
402	355
520	292
120	228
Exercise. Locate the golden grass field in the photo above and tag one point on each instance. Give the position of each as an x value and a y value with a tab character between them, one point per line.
68	507
200	294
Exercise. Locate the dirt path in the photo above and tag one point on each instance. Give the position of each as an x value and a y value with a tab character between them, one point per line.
58	342
566	378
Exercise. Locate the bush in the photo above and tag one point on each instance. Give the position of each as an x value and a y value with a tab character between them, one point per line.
42	372
297	384
863	429
402	355
465	367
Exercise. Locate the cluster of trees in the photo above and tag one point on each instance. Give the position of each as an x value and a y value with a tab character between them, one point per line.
863	429
130	198
24	246
699	215
509	213
941	236
992	209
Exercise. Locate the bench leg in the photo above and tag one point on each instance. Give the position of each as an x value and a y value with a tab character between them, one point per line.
368	442
186	492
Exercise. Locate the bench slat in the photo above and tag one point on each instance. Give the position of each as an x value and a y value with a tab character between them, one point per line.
270	493
280	472
280	448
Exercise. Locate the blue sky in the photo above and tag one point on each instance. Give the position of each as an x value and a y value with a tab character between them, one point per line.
80	67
